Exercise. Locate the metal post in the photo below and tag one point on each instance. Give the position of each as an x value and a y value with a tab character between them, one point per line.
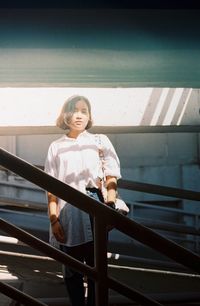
100	244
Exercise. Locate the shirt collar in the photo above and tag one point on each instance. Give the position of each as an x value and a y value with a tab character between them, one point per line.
82	134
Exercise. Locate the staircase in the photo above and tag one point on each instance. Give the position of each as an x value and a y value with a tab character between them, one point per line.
41	277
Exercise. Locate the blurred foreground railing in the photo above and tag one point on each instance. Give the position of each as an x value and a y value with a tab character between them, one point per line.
103	216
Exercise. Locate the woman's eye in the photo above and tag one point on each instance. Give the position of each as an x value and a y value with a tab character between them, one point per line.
84	111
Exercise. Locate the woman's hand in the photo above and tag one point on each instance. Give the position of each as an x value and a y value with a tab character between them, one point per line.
111	185
57	229
58	232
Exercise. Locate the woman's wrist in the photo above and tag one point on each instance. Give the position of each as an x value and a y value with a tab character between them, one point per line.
53	219
54	222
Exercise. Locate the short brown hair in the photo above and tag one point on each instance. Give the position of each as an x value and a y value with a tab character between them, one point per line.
68	110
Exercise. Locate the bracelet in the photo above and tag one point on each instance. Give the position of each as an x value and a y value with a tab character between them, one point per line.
54	222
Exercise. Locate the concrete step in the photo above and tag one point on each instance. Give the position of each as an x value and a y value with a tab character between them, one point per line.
41	277
35	275
154	281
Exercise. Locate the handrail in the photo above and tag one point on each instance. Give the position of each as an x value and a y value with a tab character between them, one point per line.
162	208
125	225
162	190
42	130
169	226
21	297
68	260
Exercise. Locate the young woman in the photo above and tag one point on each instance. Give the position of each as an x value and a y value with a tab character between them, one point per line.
74	159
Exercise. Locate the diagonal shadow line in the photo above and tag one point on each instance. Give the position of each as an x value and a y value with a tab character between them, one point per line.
151	106
166	106
181	105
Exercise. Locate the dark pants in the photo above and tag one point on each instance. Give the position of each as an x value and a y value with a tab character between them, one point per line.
83	253
74	280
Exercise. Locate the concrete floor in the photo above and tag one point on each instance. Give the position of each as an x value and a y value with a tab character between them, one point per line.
41	277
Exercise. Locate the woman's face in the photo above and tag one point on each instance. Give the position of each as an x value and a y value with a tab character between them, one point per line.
80	117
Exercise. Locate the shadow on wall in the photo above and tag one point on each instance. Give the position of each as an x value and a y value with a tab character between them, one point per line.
172	106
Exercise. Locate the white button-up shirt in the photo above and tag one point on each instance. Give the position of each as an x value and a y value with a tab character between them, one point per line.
76	162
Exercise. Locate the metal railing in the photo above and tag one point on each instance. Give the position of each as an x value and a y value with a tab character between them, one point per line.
185	232
188	233
103	216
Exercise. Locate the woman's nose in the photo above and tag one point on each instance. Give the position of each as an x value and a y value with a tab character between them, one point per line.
78	114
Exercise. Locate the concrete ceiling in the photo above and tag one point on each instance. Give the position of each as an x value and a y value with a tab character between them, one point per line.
99	48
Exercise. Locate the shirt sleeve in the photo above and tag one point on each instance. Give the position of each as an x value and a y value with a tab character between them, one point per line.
111	160
50	162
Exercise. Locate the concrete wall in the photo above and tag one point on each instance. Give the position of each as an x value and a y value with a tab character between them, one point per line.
165	159
170	159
